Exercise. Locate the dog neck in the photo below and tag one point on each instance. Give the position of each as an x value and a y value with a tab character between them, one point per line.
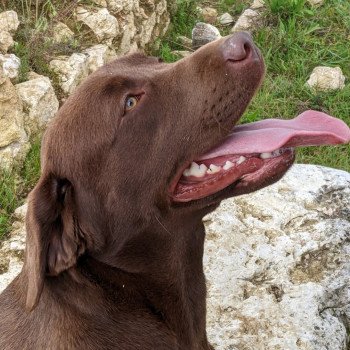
160	269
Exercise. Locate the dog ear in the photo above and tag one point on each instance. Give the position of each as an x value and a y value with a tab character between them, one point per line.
54	240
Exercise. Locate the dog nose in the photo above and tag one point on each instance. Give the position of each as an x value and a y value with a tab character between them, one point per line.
239	47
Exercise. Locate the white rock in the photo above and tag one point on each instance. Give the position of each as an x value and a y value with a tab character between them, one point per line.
98	55
70	71
277	264
209	14
102	23
226	18
204	33
21	212
181	53
327	78
102	3
247	21
13	138
6	41
316	2
62	33
257	4
11	255
116	6
184	41
9	21
40	103
9	65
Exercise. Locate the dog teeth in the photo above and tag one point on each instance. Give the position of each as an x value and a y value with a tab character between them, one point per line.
195	170
213	169
241	160
273	154
228	165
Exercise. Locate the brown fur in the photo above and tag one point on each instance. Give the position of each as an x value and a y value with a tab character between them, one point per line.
111	262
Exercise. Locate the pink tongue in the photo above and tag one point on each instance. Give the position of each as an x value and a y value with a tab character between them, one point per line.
310	128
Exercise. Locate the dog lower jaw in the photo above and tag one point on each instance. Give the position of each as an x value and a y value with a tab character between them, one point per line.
252	173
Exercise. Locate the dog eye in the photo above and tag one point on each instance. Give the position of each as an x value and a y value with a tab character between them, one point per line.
131	102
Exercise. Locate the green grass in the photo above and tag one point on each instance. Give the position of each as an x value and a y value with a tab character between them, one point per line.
293	44
294	39
15	185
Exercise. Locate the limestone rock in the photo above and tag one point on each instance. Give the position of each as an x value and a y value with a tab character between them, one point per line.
102	3
316	2
13	139
204	33
277	265
184	41
12	250
209	14
102	23
98	55
257	4
6	41
140	22
9	66
327	78
181	53
70	71
39	101
247	21
9	21
226	19
62	33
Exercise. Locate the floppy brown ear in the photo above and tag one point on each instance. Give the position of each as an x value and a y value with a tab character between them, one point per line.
54	241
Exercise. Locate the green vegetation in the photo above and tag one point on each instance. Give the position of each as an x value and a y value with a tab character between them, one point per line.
15	185
294	38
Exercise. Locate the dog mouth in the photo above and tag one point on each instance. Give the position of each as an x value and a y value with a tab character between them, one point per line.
255	154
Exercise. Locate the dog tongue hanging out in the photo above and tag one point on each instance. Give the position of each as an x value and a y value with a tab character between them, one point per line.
255	151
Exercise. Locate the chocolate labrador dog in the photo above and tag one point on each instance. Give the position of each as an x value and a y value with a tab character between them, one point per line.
133	161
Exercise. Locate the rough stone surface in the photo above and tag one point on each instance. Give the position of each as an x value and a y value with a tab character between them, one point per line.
6	41
140	22
248	21
181	53
9	66
277	264
98	55
12	250
185	42
257	4
209	14
204	33
276	261
70	71
9	21
226	19
101	22
62	33
327	78
40	103
13	139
